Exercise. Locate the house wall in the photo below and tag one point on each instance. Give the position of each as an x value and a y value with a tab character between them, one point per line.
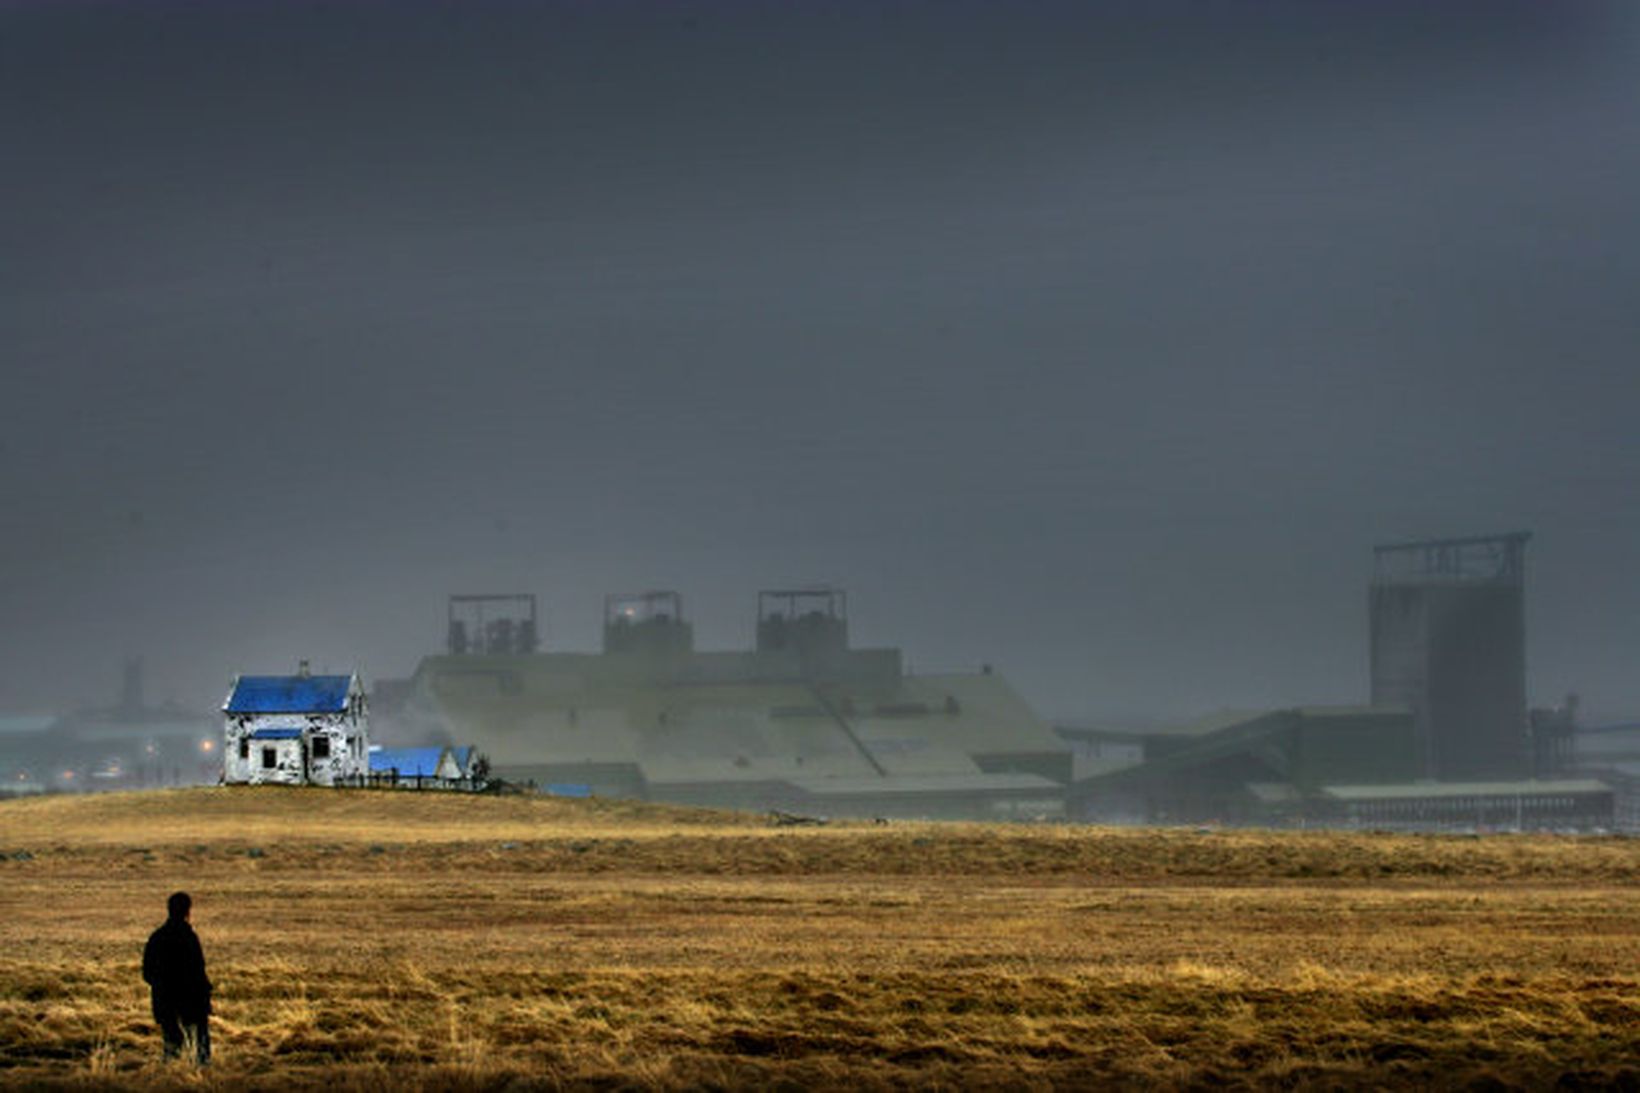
296	764
349	750
288	764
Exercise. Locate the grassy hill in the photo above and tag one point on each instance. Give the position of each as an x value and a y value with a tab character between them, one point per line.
229	813
308	826
376	940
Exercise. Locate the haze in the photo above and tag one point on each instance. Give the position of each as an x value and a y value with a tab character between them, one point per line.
1099	342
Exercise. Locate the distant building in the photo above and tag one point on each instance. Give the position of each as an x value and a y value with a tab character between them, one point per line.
1612	754
1324	765
1267	766
1449	643
1523	805
127	744
25	753
1608	748
295	730
803	722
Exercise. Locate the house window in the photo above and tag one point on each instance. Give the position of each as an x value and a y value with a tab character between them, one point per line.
270	758
321	747
244	748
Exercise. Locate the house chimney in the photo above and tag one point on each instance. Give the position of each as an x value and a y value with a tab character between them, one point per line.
302	669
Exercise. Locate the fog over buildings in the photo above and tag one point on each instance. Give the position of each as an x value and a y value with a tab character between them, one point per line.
1100	342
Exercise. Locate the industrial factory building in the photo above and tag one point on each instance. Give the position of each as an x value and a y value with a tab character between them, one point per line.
1326	766
804	722
1447	741
1233	767
1531	804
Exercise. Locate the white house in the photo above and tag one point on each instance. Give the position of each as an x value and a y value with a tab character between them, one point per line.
296	730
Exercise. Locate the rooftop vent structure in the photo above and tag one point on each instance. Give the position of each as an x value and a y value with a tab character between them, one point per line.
493	624
812	622
646	622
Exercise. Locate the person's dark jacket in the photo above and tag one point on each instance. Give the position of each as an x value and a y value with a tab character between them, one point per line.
173	964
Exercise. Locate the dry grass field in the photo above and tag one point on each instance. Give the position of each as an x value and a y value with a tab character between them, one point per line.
378	940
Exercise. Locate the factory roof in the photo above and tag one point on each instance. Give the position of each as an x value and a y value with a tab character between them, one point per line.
1220	720
976	714
1418	791
1211	723
1205	725
777	766
1100	768
927	784
746	726
1275	793
1626	726
289	694
24	724
1352	711
736	730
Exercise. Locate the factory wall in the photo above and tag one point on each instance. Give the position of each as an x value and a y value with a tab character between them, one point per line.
1360	746
1455	654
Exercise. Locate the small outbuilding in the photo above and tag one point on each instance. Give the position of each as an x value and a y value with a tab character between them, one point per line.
299	729
425	767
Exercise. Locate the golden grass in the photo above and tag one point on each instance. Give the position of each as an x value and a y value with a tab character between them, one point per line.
386	941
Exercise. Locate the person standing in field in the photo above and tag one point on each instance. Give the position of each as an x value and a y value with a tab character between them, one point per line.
173	966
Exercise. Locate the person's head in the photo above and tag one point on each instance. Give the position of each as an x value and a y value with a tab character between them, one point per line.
178	905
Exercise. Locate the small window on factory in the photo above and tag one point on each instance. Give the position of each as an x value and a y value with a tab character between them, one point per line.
270	758
244	748
321	747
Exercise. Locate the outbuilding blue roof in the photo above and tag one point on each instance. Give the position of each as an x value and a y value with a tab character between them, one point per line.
568	789
289	694
409	762
276	734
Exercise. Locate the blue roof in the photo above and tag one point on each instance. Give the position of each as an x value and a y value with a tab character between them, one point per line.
276	734
289	694
409	762
568	789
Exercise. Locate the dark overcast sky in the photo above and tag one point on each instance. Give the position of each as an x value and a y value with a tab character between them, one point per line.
1098	341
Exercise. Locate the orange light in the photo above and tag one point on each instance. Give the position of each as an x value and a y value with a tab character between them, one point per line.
206	745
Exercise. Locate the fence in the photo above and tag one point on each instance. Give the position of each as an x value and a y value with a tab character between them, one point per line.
392	779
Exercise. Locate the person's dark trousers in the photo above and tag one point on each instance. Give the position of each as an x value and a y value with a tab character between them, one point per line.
170	1030
173	1026
200	1029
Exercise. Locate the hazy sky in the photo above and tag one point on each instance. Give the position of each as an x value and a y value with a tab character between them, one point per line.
1097	341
